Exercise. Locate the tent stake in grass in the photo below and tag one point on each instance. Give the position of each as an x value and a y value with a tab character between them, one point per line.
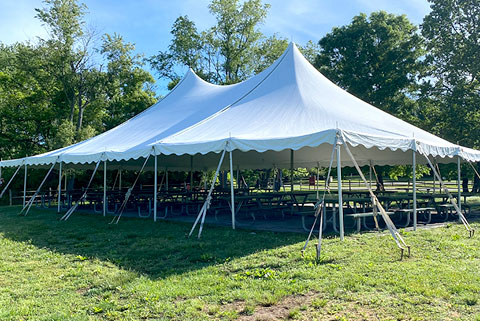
388	222
462	218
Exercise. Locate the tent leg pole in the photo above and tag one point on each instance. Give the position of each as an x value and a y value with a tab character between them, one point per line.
59	188
414	181
104	188
155	190
340	198
119	179
370	174
459	191
25	186
291	170
232	192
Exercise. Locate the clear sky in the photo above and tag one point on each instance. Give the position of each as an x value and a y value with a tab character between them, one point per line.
147	23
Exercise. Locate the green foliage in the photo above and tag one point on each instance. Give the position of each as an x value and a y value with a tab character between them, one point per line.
451	91
54	93
232	50
375	59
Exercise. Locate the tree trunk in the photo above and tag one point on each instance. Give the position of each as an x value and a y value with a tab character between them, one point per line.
465	185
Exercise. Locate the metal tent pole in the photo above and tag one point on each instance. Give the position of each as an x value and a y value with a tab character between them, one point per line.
232	192
59	188
166	179
370	174
238	176
340	198
414	181
119	179
291	170
459	191
155	190
104	187
25	186
191	172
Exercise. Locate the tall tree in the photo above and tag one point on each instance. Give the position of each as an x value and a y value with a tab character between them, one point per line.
230	51
128	87
375	58
452	89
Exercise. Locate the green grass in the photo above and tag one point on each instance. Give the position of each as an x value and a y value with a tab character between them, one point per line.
85	269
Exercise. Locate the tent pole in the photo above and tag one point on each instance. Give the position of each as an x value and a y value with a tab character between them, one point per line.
104	187
291	170
59	188
9	181
25	186
370	174
238	176
340	198
316	181
459	191
232	192
166	179
191	172
119	179
414	181
155	190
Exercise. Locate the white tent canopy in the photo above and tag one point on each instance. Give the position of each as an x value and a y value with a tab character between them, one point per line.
288	106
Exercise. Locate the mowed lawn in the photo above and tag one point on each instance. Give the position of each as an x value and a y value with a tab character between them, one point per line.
85	269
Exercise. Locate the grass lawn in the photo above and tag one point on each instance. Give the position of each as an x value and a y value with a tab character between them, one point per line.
85	269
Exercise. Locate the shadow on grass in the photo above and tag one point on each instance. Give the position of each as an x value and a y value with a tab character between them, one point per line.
153	249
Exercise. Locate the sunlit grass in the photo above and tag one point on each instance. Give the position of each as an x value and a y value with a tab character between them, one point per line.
86	269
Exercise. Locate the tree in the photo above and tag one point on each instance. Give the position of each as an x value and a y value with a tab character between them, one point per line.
452	88
128	87
375	59
230	51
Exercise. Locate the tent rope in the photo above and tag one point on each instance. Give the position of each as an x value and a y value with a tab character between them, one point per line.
11	179
319	208
32	199
72	209
206	205
117	217
470	230
402	245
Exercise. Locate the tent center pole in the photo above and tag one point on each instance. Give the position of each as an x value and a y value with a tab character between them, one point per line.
59	188
191	172
25	186
459	191
166	179
340	198
414	187
155	190
291	169
119	179
104	188
232	192
370	174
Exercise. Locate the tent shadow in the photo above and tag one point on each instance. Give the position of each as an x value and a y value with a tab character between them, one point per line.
156	250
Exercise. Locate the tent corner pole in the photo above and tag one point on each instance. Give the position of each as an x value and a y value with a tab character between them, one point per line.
59	188
232	192
166	179
459	190
340	196
25	186
414	187
104	187
155	190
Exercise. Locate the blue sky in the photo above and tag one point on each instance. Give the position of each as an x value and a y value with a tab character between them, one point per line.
147	23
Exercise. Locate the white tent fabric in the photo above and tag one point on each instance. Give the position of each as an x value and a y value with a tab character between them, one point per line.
288	106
